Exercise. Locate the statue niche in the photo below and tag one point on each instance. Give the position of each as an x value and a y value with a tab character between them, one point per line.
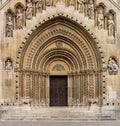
8	65
71	2
90	10
80	6
100	18
39	6
111	25
112	66
29	9
19	17
48	2
9	23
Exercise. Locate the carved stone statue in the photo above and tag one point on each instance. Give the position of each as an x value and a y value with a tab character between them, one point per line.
48	2
80	6
29	9
19	19
9	27
8	65
90	9
112	66
39	6
111	26
71	2
100	18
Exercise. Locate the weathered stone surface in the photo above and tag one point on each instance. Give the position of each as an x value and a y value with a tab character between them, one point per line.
60	38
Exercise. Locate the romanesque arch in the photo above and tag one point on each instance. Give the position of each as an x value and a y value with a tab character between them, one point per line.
59	46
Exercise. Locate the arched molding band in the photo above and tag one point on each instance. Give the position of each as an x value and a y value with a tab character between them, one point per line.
42	39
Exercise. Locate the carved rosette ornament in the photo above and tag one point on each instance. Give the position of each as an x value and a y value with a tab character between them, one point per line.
112	66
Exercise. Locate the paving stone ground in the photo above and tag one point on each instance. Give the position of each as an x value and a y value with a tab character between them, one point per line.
60	123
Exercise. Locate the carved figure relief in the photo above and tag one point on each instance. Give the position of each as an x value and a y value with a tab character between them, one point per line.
19	19
112	66
111	25
8	65
48	2
100	18
90	10
39	6
29	9
9	27
80	4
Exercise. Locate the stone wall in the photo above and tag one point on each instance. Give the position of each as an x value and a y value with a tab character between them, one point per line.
9	44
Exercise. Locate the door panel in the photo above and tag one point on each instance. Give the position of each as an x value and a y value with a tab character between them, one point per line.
58	91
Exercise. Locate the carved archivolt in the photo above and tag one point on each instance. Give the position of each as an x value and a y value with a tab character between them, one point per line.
80	54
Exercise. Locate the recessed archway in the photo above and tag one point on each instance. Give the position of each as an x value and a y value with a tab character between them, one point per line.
60	45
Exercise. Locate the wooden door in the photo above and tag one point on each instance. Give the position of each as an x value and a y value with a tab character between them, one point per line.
58	91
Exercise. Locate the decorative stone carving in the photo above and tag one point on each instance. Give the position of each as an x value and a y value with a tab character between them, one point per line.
80	5
59	44
112	66
9	27
90	10
71	2
58	67
29	9
19	18
111	25
39	6
8	65
100	18
48	2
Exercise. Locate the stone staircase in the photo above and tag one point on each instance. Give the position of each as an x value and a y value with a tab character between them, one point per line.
55	113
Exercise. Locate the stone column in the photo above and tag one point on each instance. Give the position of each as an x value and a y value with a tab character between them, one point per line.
47	90
78	89
21	78
44	88
39	89
81	94
69	89
33	89
36	89
0	81
86	88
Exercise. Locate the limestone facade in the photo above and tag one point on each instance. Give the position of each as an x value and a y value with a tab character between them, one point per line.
74	38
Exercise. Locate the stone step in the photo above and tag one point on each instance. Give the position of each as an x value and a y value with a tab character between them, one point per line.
37	113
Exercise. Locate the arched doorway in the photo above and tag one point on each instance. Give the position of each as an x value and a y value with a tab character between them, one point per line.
64	48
